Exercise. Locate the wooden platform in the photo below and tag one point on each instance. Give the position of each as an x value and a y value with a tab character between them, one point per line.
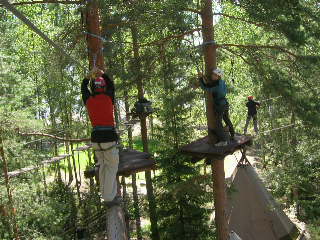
201	148
130	161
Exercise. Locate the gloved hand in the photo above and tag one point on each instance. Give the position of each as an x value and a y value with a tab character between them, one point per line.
94	73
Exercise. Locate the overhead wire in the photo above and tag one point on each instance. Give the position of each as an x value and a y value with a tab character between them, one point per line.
25	20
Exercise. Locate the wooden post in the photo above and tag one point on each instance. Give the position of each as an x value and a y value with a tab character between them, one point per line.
75	173
144	136
125	201
218	175
134	176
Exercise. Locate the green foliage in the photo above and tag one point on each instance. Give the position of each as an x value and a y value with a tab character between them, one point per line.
42	215
296	20
183	211
273	53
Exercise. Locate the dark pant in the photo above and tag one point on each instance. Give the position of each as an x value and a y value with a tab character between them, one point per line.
255	123
222	112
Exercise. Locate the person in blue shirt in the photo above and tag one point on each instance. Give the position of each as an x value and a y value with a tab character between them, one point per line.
218	88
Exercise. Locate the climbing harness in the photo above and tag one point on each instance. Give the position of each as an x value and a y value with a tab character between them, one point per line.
106	149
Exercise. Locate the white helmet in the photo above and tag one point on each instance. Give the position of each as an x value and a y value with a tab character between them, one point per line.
218	71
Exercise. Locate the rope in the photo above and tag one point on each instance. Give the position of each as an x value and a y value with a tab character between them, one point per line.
275	129
19	15
88	221
267	99
96	36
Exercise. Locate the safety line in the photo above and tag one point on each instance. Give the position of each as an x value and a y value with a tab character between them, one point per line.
24	19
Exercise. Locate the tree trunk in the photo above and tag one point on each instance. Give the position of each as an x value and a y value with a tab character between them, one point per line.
144	136
75	173
126	200
11	213
67	145
94	43
218	175
134	177
116	227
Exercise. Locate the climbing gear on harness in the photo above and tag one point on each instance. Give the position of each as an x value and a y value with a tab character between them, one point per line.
103	128
108	148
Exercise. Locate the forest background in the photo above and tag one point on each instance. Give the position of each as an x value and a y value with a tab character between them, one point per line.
268	49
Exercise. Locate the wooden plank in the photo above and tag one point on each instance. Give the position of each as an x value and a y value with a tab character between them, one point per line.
201	148
21	171
130	161
55	159
82	148
31	168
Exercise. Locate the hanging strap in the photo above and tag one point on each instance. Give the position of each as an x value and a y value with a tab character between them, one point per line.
106	149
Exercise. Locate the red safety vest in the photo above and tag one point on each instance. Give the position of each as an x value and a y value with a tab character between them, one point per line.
100	110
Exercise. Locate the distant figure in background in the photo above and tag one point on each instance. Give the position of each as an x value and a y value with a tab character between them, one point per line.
98	96
218	88
252	106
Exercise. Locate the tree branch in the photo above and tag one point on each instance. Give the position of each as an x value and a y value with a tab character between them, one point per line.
55	137
161	41
46	1
241	19
192	10
237	54
258	46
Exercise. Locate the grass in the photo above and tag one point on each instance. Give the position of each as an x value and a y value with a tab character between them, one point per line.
152	144
81	158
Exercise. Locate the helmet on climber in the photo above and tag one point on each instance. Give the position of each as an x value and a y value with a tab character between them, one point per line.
218	72
250	97
99	84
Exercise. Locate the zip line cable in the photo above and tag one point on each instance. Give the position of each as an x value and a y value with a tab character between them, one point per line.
25	20
280	96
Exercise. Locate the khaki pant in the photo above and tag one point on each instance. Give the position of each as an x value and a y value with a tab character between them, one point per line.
108	160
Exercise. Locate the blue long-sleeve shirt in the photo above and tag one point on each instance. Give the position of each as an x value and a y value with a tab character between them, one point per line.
218	89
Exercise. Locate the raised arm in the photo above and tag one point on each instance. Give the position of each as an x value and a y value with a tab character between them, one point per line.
213	87
84	90
110	91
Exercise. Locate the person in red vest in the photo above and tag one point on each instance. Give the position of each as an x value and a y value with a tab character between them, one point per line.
98	96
